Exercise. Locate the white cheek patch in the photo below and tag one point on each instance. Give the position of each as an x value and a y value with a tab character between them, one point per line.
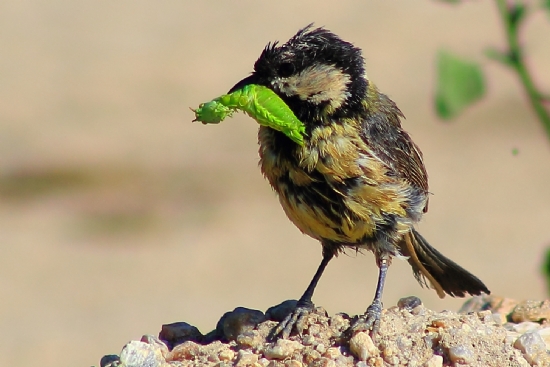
317	84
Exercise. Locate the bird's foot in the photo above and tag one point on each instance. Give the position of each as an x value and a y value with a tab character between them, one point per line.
368	321
293	321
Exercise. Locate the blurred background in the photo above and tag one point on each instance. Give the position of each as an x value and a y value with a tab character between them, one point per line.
117	214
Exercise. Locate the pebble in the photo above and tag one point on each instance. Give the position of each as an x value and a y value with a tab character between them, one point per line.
293	363
423	339
185	351
435	361
531	345
531	310
409	303
339	322
362	347
239	321
226	355
282	349
179	332
461	354
525	327
245	358
140	354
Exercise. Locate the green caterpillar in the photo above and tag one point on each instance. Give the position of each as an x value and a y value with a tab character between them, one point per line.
260	103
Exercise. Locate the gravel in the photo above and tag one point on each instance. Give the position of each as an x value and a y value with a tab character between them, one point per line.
490	331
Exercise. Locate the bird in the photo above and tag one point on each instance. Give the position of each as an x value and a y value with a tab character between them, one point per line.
358	181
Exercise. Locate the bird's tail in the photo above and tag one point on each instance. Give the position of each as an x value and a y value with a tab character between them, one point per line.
430	267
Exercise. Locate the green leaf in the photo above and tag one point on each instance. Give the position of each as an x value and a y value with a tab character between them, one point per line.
460	83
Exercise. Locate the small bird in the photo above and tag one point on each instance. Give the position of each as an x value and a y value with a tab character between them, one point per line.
358	181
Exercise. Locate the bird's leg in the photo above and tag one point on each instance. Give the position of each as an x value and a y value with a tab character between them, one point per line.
371	319
304	305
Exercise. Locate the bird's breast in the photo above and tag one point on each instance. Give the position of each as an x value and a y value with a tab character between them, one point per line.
332	188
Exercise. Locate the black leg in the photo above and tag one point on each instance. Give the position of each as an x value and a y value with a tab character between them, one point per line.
304	305
371	319
308	294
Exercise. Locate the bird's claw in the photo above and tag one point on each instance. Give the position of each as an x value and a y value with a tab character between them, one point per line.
293	321
370	320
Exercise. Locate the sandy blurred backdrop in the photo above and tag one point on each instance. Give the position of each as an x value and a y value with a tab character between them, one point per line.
117	214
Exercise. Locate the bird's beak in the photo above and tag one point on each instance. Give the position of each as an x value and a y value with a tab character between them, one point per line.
252	79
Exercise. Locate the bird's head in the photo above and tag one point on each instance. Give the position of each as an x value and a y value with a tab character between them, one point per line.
316	73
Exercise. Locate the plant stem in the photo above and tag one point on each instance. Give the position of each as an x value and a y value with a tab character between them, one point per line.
518	63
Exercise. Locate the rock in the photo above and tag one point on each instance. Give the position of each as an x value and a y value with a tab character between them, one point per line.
531	345
110	360
362	346
409	303
140	354
179	332
240	320
461	354
282	349
531	310
435	361
417	337
246	358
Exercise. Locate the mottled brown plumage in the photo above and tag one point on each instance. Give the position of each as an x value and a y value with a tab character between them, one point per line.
359	180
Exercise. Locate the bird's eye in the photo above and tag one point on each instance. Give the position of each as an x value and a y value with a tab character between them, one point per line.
286	69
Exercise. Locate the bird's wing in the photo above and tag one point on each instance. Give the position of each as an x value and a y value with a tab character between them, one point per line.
382	131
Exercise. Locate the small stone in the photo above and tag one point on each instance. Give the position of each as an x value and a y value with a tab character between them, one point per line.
404	343
308	340
463	354
311	356
179	332
376	362
245	358
250	339
362	346
153	340
293	363
525	327
531	310
530	344
439	323
140	354
111	360
280	311
332	353
339	322
185	351
282	349
343	361
435	361
239	321
409	303
499	318
226	355
320	348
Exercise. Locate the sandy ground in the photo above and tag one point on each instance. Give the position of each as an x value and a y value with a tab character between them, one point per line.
117	214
